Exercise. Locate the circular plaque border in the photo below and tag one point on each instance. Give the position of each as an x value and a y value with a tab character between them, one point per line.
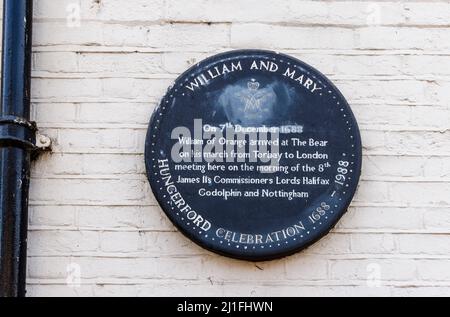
267	251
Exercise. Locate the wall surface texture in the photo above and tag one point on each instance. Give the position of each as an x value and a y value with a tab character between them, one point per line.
101	66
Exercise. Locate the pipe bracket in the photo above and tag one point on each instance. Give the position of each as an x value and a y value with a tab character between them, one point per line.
21	133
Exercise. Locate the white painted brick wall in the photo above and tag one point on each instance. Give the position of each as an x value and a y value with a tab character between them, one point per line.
95	86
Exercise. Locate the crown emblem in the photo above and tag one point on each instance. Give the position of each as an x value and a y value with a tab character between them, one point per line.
253	85
252	98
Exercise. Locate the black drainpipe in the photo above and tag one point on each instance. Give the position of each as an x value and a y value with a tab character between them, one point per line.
17	141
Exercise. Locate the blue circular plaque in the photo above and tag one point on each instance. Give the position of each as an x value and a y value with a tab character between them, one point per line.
253	154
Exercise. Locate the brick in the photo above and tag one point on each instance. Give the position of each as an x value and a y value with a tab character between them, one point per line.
64	89
131	217
171	244
55	112
178	62
301	267
89	164
103	164
98	90
437	219
56	242
429	193
50	267
121	242
382	218
58	164
90	191
95	62
390	270
434	270
414	167
122	113
377	192
331	244
215	269
402	116
55	62
392	90
373	243
52	215
424	291
57	290
406	142
424	244
91	139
